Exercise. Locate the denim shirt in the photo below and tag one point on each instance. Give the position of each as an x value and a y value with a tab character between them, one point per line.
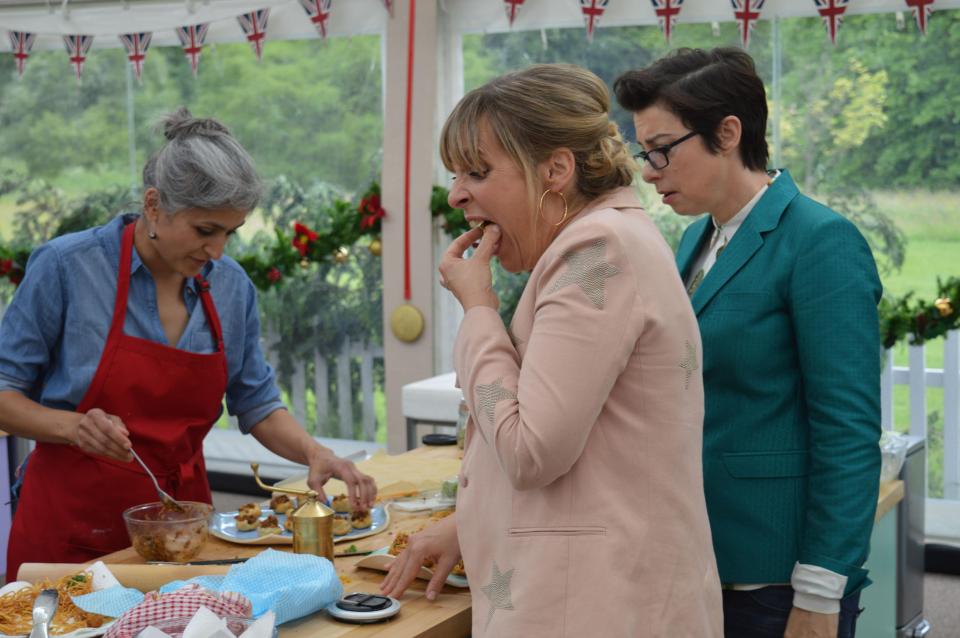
55	329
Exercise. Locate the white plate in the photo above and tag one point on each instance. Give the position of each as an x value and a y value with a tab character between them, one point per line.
223	525
381	561
102	579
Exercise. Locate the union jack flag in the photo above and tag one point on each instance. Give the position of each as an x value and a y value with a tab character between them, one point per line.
922	10
21	42
254	25
136	45
668	11
512	8
746	13
77	48
592	10
832	13
192	39
319	12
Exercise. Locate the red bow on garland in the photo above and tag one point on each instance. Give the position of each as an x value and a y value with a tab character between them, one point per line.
303	238
371	211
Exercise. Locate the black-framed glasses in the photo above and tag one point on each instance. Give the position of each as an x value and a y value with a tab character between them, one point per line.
659	157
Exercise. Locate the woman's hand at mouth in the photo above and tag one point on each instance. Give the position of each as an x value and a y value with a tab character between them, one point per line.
469	279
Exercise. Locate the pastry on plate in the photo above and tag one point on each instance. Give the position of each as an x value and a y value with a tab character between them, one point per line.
288	524
341	526
458	569
360	519
269	525
247	521
250	509
281	504
341	504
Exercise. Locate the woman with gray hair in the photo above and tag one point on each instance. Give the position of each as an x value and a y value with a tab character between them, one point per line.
127	337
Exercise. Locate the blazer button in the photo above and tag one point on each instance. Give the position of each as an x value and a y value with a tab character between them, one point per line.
464	481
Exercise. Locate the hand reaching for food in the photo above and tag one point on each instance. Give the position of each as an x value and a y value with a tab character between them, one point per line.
437	544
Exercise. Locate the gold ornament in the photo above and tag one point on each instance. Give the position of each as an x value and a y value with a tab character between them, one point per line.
304	262
340	255
376	248
944	306
406	322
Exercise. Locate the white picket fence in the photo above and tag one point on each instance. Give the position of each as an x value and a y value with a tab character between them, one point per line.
919	378
363	355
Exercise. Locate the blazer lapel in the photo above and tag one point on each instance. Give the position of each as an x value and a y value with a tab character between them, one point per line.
764	217
688	250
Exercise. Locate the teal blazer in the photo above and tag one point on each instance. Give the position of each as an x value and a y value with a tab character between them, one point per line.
791	372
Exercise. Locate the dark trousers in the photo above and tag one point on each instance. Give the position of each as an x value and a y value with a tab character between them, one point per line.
763	613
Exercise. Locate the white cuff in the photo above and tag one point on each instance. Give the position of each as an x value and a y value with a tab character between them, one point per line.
817	589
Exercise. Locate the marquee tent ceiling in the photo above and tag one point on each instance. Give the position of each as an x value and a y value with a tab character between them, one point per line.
52	18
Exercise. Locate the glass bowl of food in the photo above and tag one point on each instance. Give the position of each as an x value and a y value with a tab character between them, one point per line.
160	533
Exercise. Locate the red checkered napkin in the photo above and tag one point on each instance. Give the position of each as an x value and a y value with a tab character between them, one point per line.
183	602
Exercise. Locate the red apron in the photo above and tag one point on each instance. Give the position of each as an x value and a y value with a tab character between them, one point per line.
71	503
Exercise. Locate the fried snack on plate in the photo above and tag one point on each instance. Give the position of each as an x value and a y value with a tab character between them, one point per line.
340	504
281	504
341	526
360	519
269	525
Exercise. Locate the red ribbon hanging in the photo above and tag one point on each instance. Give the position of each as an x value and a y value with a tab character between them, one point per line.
406	171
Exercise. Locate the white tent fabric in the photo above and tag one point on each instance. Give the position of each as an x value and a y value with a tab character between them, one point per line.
288	21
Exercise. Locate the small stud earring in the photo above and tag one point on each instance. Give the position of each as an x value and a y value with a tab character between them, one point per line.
152	235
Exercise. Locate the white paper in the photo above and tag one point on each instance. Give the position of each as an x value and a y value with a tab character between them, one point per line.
206	624
262	627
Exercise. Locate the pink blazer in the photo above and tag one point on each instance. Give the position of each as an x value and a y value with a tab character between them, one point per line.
580	510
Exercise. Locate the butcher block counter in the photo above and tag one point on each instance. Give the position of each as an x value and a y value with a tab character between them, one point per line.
447	616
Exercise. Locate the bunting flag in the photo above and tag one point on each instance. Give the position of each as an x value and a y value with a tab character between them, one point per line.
20	43
746	13
922	10
832	13
192	39
254	25
592	10
136	45
667	13
319	12
512	8
77	48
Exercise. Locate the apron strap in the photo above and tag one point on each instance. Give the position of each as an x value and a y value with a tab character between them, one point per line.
210	310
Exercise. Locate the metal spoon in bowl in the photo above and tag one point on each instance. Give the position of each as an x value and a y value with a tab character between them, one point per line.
168	501
44	608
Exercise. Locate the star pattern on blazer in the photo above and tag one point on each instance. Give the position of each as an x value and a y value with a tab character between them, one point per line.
689	363
488	396
587	269
498	591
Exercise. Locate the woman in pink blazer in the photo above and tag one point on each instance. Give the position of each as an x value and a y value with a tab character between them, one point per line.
580	510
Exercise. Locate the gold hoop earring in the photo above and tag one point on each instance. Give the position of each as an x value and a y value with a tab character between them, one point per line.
540	207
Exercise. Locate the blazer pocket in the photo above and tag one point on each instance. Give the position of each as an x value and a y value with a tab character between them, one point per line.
566	530
787	464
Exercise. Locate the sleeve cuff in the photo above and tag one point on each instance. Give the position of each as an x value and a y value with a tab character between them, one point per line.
250	418
10	383
817	589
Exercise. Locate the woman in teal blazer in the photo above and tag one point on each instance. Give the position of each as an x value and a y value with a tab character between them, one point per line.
785	291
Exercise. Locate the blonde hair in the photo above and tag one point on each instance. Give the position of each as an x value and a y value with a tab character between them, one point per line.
532	113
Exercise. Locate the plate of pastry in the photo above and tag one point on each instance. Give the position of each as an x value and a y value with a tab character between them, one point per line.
257	524
382	558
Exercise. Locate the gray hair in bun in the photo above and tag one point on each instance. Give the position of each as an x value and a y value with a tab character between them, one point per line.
201	166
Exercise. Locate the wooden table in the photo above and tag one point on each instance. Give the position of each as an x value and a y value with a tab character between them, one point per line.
447	616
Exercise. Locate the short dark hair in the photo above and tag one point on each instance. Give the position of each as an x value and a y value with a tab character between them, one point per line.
701	88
